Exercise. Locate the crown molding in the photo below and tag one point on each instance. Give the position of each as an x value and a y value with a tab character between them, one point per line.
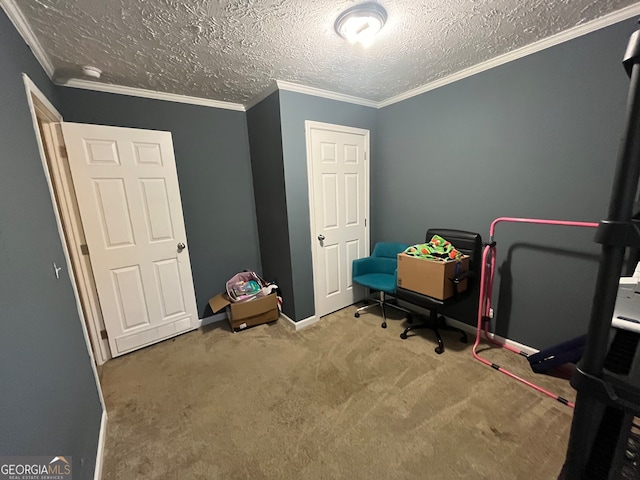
318	92
141	92
16	17
22	26
564	36
273	87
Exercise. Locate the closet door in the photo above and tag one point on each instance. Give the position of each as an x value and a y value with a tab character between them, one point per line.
339	203
127	188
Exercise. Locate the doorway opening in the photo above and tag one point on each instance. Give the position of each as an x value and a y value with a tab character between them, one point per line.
47	121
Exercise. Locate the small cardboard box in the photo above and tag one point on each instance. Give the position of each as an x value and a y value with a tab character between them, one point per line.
242	315
431	277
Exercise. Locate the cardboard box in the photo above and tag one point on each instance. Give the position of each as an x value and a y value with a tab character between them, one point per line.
430	277
247	314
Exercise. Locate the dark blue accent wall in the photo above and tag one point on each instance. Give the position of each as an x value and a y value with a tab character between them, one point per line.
214	172
49	403
536	137
295	108
265	140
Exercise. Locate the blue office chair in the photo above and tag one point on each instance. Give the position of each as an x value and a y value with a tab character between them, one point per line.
379	273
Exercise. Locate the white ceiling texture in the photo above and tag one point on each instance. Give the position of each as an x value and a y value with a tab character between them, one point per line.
234	50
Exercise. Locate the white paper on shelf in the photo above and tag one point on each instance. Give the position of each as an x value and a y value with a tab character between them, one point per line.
626	314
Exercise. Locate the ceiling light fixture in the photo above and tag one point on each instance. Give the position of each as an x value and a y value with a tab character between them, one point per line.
361	23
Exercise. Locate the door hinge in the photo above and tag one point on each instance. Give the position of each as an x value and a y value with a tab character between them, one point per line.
63	151
103	335
84	249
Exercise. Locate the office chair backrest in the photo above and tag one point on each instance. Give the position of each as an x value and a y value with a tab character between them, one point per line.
386	254
469	243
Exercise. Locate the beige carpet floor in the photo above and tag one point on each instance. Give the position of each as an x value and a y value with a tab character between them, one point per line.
342	399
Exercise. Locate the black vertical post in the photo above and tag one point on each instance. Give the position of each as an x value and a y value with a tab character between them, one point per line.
589	411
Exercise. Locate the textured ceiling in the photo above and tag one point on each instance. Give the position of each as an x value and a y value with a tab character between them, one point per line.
233	50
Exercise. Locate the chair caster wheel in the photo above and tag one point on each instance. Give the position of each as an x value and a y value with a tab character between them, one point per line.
384	325
357	315
403	336
439	350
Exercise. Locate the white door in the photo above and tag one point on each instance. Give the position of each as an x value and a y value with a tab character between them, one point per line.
339	206
127	188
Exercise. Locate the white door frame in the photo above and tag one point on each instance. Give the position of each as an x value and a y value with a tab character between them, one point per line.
33	92
310	125
84	287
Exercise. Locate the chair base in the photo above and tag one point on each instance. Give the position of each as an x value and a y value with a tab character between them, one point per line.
436	323
382	302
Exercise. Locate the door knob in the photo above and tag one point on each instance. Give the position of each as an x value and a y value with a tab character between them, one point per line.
181	246
321	237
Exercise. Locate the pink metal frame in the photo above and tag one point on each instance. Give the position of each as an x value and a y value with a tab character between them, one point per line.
486	287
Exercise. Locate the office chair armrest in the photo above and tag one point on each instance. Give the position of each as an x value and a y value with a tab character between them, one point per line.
362	266
461	276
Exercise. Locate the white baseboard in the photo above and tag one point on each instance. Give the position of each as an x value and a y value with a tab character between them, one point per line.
497	338
297	326
471	329
218	317
102	437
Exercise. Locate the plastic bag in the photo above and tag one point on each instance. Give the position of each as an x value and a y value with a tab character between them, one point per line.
245	286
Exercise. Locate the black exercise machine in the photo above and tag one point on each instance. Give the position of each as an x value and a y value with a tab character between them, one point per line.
605	432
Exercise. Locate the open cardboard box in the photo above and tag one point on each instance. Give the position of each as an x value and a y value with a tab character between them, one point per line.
246	314
431	277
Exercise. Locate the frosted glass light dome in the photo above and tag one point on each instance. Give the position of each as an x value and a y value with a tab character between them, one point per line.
361	23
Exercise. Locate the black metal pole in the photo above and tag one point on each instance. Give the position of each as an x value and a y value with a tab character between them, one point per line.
588	409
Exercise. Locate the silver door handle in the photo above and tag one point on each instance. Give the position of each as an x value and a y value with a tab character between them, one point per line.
321	237
181	246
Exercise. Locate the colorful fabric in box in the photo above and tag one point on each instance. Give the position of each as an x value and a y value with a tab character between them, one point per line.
437	249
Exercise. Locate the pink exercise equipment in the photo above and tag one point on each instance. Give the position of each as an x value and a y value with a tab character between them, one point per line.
484	304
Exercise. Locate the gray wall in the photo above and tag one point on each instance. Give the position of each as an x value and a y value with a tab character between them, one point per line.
265	140
214	171
49	403
295	108
536	137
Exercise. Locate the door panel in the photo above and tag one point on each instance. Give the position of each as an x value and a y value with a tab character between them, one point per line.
129	295
168	278
113	212
127	189
339	183
351	197
329	198
158	216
